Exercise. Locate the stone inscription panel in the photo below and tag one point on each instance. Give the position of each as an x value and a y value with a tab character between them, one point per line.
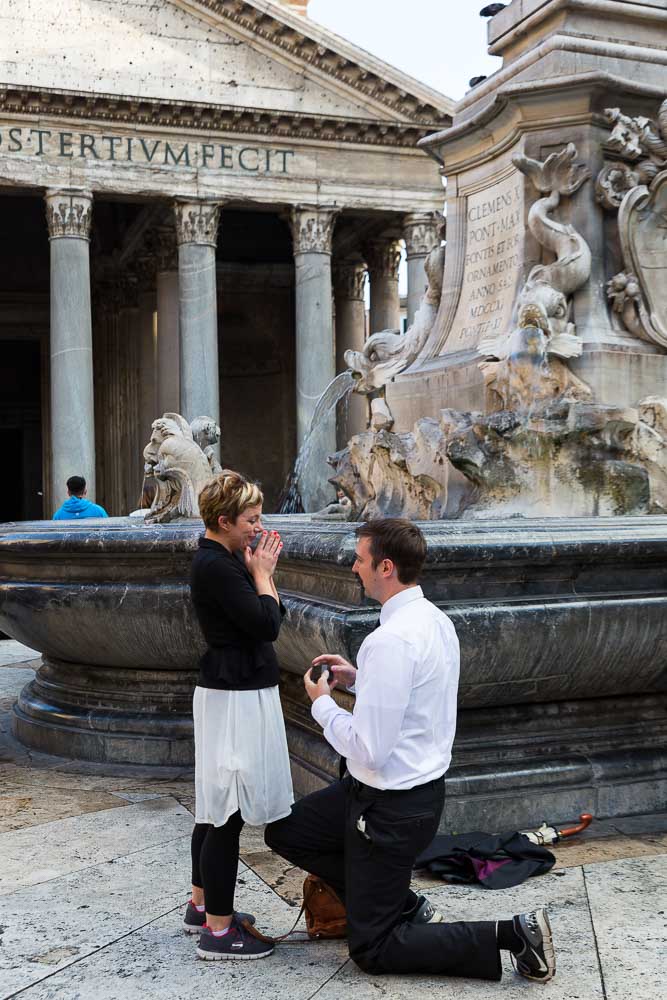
492	263
139	150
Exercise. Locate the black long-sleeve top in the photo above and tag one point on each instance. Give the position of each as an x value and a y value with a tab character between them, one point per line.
238	624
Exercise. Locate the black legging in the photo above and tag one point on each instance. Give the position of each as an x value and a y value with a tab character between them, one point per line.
215	863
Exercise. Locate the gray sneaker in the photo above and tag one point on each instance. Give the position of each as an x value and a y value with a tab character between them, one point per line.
426	913
194	920
537	959
239	943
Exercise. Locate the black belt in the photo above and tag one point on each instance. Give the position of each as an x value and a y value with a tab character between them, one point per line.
360	788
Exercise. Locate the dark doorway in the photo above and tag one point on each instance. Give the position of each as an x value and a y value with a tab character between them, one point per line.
20	430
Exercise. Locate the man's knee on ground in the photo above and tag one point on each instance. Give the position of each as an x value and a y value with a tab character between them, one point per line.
274	835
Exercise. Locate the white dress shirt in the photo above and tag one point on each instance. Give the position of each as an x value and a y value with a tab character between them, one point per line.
401	731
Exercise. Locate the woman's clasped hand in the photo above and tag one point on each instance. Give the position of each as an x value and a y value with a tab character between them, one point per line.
262	561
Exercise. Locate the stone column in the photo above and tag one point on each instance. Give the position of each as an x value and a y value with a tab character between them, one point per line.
196	236
312	230
168	347
68	213
422	233
383	257
349	278
147	337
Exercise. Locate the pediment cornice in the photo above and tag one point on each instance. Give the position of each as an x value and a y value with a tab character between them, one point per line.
331	56
74	105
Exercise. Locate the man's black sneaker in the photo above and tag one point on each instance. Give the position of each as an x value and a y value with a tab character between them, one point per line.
537	959
194	920
239	943
426	913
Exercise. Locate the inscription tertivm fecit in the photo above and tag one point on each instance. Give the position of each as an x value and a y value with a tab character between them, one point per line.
142	150
492	260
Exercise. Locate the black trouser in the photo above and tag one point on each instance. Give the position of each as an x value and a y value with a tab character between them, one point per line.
371	871
215	863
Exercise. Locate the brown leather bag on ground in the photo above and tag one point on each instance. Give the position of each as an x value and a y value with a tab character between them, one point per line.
325	914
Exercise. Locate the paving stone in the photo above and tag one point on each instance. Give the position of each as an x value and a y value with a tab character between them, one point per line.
45	852
577	967
158	960
572	854
46	926
12	680
628	903
12	651
36	806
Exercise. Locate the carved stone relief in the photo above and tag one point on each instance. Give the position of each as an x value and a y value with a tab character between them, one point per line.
635	186
197	222
178	466
349	278
312	228
423	232
69	213
387	353
383	257
549	286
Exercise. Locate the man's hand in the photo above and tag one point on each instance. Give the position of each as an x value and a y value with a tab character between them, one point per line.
342	672
315	691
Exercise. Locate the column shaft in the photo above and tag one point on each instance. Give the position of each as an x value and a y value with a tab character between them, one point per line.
148	398
168	347
422	232
349	284
71	344
383	257
312	229
196	235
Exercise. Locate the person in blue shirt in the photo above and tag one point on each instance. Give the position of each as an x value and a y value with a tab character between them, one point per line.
77	506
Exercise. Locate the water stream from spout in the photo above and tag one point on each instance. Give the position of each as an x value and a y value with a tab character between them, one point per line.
337	390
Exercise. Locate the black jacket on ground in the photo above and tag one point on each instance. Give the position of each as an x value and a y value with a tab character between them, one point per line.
238	625
493	860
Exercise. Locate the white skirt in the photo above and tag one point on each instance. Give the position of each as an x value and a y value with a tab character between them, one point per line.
241	757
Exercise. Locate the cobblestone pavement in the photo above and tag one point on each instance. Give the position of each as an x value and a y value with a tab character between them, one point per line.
94	875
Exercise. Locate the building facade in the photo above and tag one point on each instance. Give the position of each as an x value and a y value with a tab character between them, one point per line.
193	194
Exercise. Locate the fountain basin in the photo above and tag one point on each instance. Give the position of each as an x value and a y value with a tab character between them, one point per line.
562	623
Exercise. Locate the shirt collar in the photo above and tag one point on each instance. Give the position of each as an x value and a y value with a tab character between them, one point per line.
399	600
210	543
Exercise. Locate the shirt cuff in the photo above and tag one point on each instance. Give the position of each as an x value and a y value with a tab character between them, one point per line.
323	709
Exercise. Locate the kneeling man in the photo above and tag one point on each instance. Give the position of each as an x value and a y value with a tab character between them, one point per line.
362	834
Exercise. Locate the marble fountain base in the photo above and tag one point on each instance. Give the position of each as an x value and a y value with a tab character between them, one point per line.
562	622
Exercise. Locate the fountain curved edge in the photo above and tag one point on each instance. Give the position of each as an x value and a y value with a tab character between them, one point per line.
561	623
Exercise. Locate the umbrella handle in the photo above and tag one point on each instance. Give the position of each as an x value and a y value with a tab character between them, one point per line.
585	820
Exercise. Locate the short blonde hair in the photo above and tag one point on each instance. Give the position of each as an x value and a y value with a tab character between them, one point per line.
228	495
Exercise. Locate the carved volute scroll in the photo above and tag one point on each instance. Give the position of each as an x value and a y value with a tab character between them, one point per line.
69	213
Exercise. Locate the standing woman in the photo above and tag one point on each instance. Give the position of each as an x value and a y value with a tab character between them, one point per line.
242	771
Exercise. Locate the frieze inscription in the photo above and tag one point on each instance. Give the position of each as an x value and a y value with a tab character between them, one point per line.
492	263
141	150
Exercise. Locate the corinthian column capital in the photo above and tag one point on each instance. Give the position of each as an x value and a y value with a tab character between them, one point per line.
422	231
69	213
383	257
349	278
312	228
197	222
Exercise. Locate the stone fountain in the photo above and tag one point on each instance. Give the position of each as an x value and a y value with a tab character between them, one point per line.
522	418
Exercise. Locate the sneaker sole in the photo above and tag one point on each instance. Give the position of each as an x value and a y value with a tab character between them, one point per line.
548	948
192	928
217	956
